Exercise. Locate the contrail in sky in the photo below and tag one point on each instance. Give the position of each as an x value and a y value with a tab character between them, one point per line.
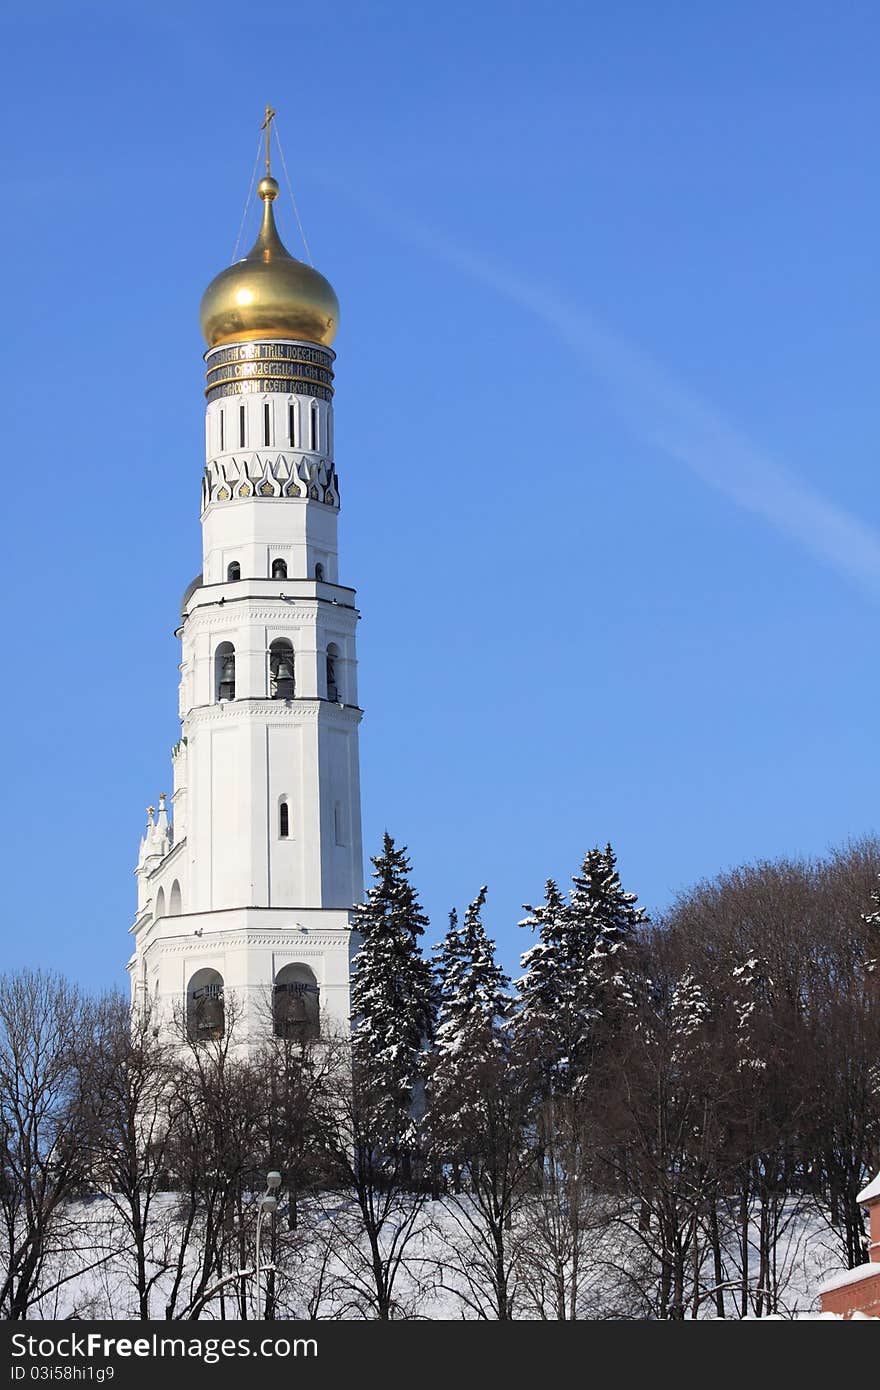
660	411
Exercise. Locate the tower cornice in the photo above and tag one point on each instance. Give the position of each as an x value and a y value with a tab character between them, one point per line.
274	713
306	596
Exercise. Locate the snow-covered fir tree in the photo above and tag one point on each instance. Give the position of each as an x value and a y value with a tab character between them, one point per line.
392	995
576	979
473	989
542	987
478	1111
469	1061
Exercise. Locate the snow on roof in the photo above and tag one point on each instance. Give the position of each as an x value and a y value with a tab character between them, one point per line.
872	1192
851	1276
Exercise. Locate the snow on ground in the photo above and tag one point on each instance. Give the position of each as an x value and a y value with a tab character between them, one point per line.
323	1269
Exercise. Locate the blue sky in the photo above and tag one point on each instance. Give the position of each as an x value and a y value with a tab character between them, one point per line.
607	426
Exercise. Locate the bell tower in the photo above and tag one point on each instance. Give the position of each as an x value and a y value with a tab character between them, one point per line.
244	893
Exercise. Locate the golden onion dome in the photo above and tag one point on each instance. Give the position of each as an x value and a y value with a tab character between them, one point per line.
269	294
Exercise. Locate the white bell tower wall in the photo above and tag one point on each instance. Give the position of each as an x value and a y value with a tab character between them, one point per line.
263	859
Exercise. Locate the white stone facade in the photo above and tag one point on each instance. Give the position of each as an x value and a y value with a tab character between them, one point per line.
257	868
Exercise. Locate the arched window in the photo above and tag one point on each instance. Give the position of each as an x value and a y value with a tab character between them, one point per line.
174	904
279	569
296	1005
267	423
319	572
333	673
205	1014
233	571
160	903
291	423
224	672
281	674
283	819
313	427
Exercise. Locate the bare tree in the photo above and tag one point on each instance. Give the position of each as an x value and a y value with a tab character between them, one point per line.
300	1072
565	1216
45	1030
376	1225
483	1131
210	1153
137	1106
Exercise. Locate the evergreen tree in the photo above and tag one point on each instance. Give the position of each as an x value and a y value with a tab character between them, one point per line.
473	996
471	1043
575	980
605	919
478	1113
543	985
392	998
448	957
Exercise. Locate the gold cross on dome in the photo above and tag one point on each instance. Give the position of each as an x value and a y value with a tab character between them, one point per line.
267	126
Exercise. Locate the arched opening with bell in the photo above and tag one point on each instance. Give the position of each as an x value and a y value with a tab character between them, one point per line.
296	1004
224	671
205	1011
281	676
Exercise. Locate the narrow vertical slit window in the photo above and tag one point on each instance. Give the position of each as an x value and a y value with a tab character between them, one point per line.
241	426
291	424
222	431
338	828
283	821
267	424
313	427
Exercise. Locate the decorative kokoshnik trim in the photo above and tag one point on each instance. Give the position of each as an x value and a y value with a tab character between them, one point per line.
310	480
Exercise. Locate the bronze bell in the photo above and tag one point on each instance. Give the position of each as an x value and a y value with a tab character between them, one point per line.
284	679
227	679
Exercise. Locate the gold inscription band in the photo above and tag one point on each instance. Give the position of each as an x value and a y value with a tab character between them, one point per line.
294	386
252	368
271	351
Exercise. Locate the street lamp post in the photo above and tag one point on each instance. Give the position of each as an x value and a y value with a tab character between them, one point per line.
268	1205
